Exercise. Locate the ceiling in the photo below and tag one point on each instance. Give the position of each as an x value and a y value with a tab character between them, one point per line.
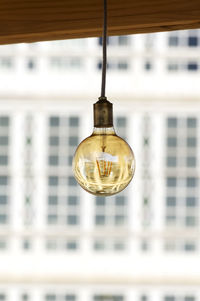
40	20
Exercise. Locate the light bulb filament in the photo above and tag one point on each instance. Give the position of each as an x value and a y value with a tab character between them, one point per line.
104	167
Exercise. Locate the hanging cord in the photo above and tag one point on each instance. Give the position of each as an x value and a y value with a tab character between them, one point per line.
104	63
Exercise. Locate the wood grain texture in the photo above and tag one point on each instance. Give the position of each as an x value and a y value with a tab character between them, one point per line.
39	20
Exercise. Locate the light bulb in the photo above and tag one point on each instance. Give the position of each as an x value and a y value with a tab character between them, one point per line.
103	163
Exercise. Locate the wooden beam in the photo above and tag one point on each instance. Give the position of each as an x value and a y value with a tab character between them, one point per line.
39	20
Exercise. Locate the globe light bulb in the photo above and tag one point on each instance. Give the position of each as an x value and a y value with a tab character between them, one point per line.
103	163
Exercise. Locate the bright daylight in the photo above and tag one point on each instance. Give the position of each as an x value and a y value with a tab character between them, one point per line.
59	242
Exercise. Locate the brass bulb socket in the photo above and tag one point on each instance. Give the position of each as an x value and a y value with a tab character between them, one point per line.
103	113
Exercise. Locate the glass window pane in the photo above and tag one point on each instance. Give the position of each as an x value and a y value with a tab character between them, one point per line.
192	41
172	122
3	219
3	199
171	201
100	201
191	182
53	181
191	122
72	181
191	202
53	160
4	121
171	219
173	41
169	298
171	161
3	140
191	161
189	247
171	182
70	298
54	140
189	298
100	220
190	221
119	219
72	219
71	245
54	121
72	200
70	159
74	121
121	121
171	141
73	140
120	201
192	66
50	297
53	200
52	219
191	142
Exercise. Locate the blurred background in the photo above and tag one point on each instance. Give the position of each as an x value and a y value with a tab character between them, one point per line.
59	243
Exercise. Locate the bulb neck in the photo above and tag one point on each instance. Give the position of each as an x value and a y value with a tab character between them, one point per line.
103	131
103	113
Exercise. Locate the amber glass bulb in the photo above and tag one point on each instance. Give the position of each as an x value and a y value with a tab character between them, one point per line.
104	163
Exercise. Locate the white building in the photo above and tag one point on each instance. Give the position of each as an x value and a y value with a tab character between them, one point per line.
58	242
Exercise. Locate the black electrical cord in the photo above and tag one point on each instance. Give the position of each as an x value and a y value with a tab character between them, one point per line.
104	63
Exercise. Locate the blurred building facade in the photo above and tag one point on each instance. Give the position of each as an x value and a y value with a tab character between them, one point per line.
58	242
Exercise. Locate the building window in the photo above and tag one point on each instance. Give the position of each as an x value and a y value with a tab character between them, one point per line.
173	41
148	66
191	202
63	194
71	245
58	297
111	212
115	64
61	244
123	40
3	243
192	66
107	297
62	209
25	297
171	201
189	298
191	142
26	244
121	126
171	161
171	141
171	182
169	298
190	246
172	122
182	192
144	245
50	297
193	41
99	245
31	64
172	67
191	161
66	63
191	122
144	298
6	63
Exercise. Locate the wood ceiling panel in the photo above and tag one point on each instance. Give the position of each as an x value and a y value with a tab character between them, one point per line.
36	20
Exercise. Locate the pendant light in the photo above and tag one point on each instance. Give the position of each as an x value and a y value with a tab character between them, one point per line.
103	163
